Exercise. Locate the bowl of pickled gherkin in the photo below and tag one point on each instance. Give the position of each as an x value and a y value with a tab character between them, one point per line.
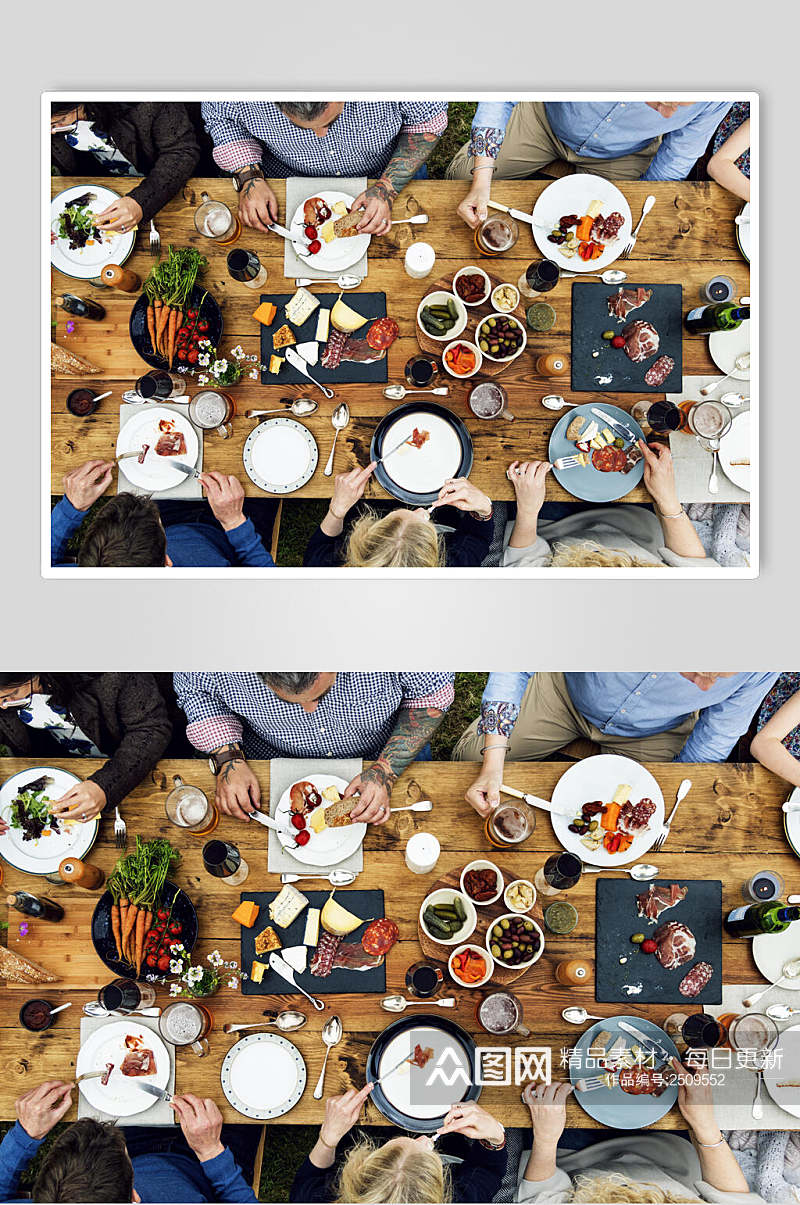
442	316
514	941
501	337
448	916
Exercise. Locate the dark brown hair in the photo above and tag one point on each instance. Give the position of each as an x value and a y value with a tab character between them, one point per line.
126	532
88	1162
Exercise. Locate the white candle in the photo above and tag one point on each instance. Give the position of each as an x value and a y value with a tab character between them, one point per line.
419	261
422	853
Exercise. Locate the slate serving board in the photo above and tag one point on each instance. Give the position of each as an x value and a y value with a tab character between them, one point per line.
617	920
590	317
370	305
368	904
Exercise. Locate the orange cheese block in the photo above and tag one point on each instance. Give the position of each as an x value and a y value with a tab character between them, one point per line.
246	913
266	313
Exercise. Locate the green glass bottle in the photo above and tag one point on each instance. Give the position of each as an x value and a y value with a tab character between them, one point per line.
749	921
721	316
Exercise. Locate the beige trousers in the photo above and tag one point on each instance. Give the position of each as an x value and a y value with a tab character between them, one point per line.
530	145
548	720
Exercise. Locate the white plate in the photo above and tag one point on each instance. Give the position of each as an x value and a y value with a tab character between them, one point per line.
156	473
398	1087
574	194
330	846
422	470
86	263
743	233
772	950
736	446
340	253
791	822
598	778
280	455
263	1076
725	346
44	855
120	1097
785	1066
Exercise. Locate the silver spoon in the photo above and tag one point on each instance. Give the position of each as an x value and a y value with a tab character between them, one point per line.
287	1021
642	872
300	407
576	1015
553	401
422	805
60	1008
611	276
331	1034
790	970
398	392
345	281
713	482
741	362
337	878
421	219
781	1012
398	1004
92	1009
340	418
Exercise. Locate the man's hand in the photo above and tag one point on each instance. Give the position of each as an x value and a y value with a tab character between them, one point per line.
377	216
529	479
201	1122
375	788
84	801
470	1119
484	794
238	790
225	495
474	208
258	205
341	1114
122	214
463	495
659	477
548	1106
40	1109
84	485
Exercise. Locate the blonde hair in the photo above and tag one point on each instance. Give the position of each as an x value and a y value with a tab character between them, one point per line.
614	1188
586	555
383	1175
392	542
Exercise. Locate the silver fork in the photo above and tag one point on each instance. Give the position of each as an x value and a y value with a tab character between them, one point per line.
631	243
683	791
155	241
120	831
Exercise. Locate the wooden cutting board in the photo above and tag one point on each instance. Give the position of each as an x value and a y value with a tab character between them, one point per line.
487	914
64	948
489	368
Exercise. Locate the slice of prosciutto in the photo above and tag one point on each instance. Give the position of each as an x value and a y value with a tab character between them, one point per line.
641	340
675	945
658	898
621	303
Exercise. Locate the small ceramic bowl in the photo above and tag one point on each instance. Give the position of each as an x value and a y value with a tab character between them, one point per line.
483	864
440	297
485	955
446	895
507	892
516	966
472	270
497	298
476	351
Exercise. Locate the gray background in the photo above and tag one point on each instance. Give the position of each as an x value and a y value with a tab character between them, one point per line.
376	624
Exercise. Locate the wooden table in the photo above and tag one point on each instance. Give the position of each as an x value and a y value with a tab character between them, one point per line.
688	238
729	827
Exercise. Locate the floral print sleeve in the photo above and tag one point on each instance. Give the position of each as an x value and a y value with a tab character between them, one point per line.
497	716
486	140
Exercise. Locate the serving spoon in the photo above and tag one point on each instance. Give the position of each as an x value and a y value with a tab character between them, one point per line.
577	1014
300	407
340	418
287	1021
790	970
337	878
399	1004
420	219
740	364
398	392
611	276
554	401
331	1035
781	1012
642	872
422	805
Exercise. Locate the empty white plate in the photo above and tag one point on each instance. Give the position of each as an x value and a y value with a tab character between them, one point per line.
280	455
735	448
422	470
263	1076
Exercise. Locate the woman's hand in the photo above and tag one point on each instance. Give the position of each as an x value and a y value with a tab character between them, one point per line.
84	801
258	205
341	1114
348	488
529	479
122	214
475	206
470	1119
463	495
659	477
696	1102
548	1108
484	794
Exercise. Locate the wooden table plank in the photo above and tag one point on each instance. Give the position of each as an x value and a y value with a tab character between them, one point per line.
729	826
688	237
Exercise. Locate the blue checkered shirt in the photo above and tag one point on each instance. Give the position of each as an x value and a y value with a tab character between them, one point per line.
360	142
354	719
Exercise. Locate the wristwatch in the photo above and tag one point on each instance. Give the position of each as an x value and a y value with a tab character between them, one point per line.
244	174
217	760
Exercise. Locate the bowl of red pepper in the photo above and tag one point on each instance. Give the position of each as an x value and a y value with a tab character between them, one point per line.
462	358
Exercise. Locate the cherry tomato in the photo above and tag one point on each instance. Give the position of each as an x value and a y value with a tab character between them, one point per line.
193	355
191	313
163	962
311	232
175	928
303	837
182	353
314	246
648	946
202	325
618	341
162	914
151	961
299	820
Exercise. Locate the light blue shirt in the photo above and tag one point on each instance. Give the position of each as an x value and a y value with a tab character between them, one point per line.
637	705
611	129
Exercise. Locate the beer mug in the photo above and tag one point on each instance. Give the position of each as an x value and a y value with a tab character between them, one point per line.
186	1023
500	1014
212	410
188	807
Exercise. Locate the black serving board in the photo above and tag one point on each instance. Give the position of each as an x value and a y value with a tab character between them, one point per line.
618	920
370	305
368	904
590	317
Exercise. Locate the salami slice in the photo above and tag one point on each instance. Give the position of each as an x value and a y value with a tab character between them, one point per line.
382	333
332	356
380	936
693	983
322	962
608	460
658	372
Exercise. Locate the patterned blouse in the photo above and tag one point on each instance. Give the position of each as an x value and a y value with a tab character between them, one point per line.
787	685
738	113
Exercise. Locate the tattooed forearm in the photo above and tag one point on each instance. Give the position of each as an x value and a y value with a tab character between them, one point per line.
381	774
414	728
410	152
238	756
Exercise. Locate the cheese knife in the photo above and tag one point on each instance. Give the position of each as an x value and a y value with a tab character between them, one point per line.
514	213
159	1093
651	1045
535	801
616	426
276	228
282	968
299	363
268	822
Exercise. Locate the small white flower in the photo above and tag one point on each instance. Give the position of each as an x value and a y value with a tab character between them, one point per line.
215	958
202	379
204	343
221	365
233	983
253	374
175	989
204	361
175	966
182	368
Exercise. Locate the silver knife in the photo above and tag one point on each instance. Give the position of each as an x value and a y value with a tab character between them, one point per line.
187	469
299	363
615	424
159	1093
650	1044
514	213
282	968
276	228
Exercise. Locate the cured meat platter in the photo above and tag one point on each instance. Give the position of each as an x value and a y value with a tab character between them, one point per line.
487	914
348	372
366	904
620	310
682	918
475	315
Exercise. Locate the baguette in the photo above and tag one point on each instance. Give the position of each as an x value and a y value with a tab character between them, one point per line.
575	427
16	969
69	363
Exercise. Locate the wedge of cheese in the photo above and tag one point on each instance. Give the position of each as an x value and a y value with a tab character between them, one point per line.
340	208
316	821
297	957
311	935
309	352
258	970
265	313
300	308
287	906
276	363
327	232
323	326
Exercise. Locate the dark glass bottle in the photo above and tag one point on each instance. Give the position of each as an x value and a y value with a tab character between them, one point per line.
33	905
719	316
80	307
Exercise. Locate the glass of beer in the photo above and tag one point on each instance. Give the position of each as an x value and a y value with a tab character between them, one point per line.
496	234
500	1013
487	399
212	410
186	1023
510	824
189	808
214	220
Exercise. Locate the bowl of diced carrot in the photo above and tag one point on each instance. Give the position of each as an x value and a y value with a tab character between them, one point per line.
462	358
470	966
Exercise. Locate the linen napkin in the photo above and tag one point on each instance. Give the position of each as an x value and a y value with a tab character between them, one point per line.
283	772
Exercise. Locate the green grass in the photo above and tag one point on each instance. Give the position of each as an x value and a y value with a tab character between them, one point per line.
466	705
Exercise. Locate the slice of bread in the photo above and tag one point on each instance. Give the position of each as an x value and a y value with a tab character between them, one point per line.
347	226
575	427
69	363
16	969
338	814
